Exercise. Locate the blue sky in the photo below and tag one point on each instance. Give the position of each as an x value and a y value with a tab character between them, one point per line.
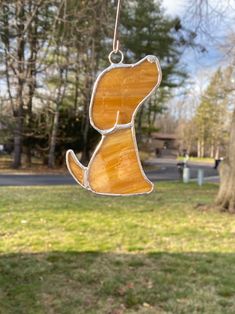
201	66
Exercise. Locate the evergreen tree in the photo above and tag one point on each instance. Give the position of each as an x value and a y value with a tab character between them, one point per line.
145	29
212	117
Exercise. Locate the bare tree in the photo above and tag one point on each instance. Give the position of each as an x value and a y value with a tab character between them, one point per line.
206	16
20	45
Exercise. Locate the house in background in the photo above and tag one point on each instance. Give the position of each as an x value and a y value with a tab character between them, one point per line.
165	145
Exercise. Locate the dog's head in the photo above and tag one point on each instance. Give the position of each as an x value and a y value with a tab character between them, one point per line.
119	91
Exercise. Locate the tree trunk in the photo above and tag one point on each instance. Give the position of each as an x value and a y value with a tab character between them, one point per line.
198	148
85	151
31	81
212	151
51	155
226	197
203	149
19	112
86	122
18	142
217	152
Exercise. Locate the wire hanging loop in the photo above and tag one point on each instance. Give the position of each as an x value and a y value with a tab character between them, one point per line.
116	43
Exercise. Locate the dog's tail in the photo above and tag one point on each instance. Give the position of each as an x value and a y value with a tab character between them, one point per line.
77	170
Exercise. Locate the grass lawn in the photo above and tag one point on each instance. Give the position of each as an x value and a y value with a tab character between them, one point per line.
206	160
65	250
35	168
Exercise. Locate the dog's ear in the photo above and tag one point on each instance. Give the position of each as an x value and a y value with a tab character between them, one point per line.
120	90
106	100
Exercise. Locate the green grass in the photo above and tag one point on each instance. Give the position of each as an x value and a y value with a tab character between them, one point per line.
65	250
35	167
207	160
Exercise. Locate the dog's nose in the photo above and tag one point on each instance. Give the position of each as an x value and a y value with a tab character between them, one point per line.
152	59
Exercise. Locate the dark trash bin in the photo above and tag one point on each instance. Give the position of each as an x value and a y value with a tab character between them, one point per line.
217	163
180	166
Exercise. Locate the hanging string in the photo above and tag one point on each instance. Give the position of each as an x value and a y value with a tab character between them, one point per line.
116	45
115	40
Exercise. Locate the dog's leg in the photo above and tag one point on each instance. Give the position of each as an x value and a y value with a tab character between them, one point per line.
77	170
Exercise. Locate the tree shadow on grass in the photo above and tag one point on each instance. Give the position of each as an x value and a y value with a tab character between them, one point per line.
91	282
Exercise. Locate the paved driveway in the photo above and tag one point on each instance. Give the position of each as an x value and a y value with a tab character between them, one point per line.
159	170
168	170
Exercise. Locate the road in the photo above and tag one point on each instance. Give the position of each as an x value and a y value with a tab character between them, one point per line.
167	170
156	170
